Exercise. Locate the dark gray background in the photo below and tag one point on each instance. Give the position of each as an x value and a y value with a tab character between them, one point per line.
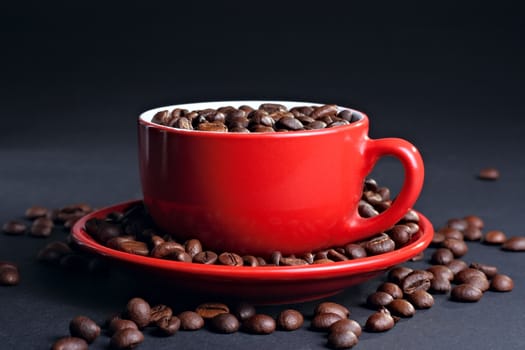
448	77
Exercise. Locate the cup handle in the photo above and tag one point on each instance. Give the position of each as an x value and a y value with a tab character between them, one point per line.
412	162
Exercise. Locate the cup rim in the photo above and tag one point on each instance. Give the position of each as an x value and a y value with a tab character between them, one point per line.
146	116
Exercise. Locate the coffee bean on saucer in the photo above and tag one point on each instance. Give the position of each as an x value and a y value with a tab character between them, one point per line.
420	299
166	249
168	325
250	260
490	174
14	228
442	256
210	310
401	308
244	311
355	251
323	321
190	321
193	247
35	212
346	324
331	307
9	274
230	259
290	320
70	343
126	339
494	237
41	227
466	293
207	257
400	234
501	283
287	261
335	255
259	324
514	244
391	288
159	312
139	311
132	246
85	328
380	321
225	323
380	245
342	339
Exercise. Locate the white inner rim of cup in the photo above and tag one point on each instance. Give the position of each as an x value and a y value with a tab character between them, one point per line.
148	115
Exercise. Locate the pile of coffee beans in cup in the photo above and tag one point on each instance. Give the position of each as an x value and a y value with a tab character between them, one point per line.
268	117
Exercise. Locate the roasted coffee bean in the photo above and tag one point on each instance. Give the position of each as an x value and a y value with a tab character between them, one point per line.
323	261
413	227
105	231
133	247
289	123
474	221
326	110
168	325
366	210
14	228
400	235
456	265
331	307
391	288
467	274
437	239
230	259
190	321
466	292
514	244
501	283
317	124
118	324
206	257
156	241
440	285
418	257
472	233
42	227
441	271
346	324
456	246
225	323
380	245
380	321
305	120
416	280
494	237
161	117
290	261
398	273
379	299
126	339
372	197
458	224
166	249
139	311
181	256
420	299
193	247
342	340
355	251
490	174
482	283
210	310
335	255
338	123
70	343
442	256
214	126
158	312
450	232
9	274
85	328
259	324
35	212
290	320
346	114
244	311
250	260
53	252
489	270
272	107
323	321
181	123
401	308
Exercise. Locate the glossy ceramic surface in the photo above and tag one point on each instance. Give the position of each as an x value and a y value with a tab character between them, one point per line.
261	192
282	284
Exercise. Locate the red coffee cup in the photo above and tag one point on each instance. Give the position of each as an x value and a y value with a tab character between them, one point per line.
257	193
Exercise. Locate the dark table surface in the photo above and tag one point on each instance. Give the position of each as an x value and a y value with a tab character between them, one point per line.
448	79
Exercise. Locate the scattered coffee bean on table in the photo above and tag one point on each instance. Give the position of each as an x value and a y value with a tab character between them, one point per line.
490	174
14	228
501	283
190	321
346	324
342	339
70	343
324	321
126	339
168	325
290	320
466	293
380	321
494	237
514	244
9	274
139	311
259	324
85	328
225	323
331	307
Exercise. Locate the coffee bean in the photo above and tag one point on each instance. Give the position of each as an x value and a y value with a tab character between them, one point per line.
398	273
42	227
244	311
250	260
289	123
272	107
366	210
190	321
126	339
9	274
391	288
514	244
380	245
456	265
400	235
440	285
380	321
342	340
482	283
322	111
133	247
494	237
437	239
489	270
466	292
401	308
456	246
323	321
225	323
323	261
355	251
346	324
85	328
379	299
210	310
317	124
193	247
35	212
467	274
104	230
490	174
331	307
14	228
335	255
206	257
441	271
168	325
230	259
53	252
70	343
260	324
416	280
214	126
166	250
472	233
309	257
474	221
442	256
159	312
290	320
501	283
420	299
161	117
450	232
458	224
139	311
117	324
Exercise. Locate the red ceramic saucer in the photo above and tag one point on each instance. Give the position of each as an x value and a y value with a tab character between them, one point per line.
270	285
